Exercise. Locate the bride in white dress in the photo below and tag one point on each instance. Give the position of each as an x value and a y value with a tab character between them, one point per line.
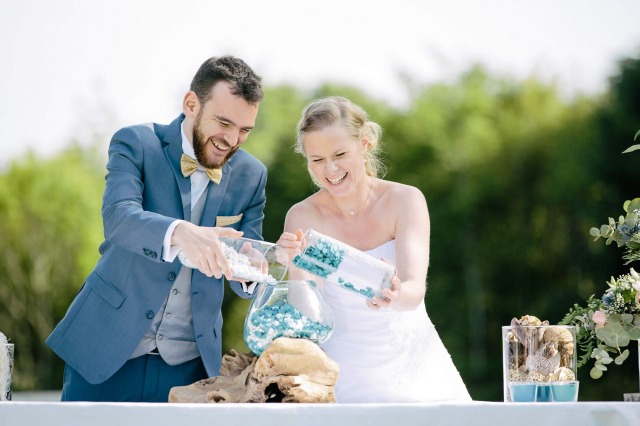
387	348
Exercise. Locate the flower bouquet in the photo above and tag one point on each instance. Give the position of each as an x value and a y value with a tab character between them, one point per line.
607	325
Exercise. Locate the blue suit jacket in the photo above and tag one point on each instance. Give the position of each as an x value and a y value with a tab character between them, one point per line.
145	192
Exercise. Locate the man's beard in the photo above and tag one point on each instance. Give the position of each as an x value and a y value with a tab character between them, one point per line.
199	148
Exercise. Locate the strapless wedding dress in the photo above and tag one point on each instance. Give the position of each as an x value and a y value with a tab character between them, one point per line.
386	355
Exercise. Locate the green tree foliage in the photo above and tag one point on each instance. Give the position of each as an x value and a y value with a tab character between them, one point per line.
50	231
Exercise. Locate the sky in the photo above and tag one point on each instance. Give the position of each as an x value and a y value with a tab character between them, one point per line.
69	67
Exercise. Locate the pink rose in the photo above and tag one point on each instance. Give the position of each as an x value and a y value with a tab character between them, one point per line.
600	318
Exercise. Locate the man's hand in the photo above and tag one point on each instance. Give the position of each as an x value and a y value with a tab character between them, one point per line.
202	247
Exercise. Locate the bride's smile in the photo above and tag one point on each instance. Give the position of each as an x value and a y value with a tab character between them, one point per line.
337	181
336	162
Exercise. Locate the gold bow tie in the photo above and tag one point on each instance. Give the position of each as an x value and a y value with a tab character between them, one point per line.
188	165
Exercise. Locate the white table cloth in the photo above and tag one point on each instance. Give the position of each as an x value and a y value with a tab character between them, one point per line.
476	413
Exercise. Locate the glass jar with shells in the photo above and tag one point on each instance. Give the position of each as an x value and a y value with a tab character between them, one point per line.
539	361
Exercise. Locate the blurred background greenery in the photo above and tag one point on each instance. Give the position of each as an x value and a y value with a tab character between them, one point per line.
514	173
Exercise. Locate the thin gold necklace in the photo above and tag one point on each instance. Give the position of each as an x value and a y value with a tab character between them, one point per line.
354	211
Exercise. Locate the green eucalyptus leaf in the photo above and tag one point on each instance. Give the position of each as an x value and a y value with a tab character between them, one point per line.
613	334
599	353
614	320
600	366
632	205
595	373
620	358
606	360
631	149
595	232
634	333
636	136
627	318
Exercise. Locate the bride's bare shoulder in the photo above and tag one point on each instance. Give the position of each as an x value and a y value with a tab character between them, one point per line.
402	193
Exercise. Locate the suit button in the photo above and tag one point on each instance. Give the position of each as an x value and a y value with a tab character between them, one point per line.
171	276
150	315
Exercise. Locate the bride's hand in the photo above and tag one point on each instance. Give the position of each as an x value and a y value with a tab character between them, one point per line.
291	243
389	295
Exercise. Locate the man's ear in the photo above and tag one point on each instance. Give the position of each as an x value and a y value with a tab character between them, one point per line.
190	104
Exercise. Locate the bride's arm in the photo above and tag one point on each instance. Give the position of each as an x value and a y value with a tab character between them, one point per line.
294	226
412	235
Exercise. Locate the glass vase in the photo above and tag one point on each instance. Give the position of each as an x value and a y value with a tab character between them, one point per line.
293	309
251	260
539	363
343	265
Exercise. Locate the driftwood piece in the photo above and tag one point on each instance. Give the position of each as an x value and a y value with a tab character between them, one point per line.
289	370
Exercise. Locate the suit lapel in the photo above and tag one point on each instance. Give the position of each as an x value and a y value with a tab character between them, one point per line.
173	152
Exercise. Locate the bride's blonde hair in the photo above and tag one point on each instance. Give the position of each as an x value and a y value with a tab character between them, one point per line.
325	112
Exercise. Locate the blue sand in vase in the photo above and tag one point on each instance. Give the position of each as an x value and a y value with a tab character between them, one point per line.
341	264
281	319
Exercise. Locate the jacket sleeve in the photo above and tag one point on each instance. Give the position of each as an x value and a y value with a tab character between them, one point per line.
126	223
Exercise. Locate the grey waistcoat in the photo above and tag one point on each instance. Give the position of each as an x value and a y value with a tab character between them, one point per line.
171	331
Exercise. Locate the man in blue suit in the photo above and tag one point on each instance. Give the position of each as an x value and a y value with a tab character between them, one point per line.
143	323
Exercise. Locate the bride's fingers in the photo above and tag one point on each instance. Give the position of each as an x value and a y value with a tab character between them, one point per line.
389	294
392	293
383	302
372	305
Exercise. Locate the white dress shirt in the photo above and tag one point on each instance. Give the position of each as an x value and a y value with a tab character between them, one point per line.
199	182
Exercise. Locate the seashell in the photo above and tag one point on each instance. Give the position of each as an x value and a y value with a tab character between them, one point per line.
557	334
567	349
545	360
511	337
563	374
527	320
536	376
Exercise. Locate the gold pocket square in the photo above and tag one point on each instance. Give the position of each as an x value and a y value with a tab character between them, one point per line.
228	220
